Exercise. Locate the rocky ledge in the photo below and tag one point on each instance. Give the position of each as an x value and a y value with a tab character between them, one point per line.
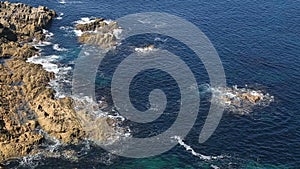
27	103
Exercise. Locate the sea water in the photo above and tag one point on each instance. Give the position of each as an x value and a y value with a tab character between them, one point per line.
259	46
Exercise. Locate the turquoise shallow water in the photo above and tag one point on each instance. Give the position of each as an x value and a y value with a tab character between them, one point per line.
259	45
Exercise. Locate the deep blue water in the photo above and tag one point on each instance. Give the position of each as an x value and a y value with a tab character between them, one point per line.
258	43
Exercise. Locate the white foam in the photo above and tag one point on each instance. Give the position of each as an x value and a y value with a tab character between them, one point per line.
61	73
66	28
92	110
85	20
62	81
30	161
45	61
193	152
58	48
146	49
41	43
59	18
48	34
78	32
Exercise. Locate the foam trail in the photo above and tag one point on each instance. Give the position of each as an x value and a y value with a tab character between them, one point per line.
190	149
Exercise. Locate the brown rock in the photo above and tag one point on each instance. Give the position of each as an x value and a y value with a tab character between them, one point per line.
98	33
250	97
91	26
24	86
22	21
26	99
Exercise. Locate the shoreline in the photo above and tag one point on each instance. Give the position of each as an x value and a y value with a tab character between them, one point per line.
29	109
27	101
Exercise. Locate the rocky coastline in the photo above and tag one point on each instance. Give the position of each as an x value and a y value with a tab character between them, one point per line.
27	103
29	110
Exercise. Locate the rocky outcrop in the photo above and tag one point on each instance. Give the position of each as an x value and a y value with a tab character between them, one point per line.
98	32
23	22
27	103
17	50
241	100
